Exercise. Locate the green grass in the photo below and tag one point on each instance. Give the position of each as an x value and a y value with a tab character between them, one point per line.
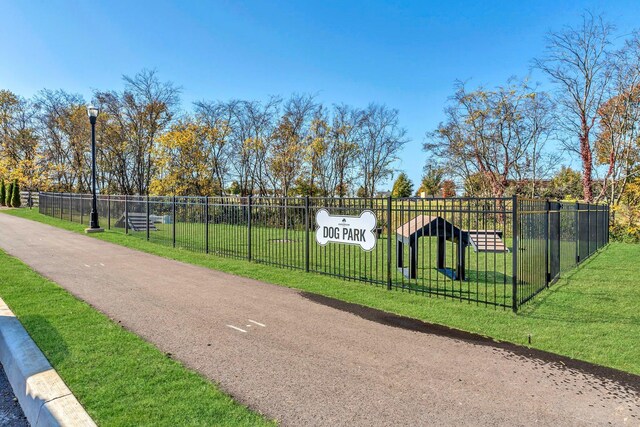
591	314
120	379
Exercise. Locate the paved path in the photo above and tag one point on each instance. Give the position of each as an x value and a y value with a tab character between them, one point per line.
303	362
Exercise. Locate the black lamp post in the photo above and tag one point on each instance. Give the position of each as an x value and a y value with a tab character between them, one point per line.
94	226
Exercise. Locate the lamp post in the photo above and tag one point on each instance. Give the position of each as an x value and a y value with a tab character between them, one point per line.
94	226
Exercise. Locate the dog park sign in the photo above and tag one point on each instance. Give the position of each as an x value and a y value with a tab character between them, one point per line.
352	230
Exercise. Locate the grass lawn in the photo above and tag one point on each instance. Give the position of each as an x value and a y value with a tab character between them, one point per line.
591	314
120	379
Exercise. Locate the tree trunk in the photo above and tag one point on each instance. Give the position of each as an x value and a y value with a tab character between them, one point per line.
587	166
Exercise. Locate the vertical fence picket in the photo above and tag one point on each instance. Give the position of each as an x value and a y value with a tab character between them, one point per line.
306	233
547	242
577	233
147	216
173	221
514	257
249	218
126	214
389	237
206	224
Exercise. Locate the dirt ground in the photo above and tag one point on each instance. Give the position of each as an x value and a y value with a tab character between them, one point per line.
308	360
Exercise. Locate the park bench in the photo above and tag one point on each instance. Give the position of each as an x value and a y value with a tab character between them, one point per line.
137	222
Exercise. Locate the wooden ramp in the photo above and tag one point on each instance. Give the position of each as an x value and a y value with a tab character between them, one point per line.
487	241
137	222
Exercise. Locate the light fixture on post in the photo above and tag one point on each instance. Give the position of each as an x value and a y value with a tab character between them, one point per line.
94	226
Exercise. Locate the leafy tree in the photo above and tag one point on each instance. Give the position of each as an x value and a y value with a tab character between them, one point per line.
566	184
234	188
617	146
15	196
3	193
184	160
448	188
8	195
431	181
362	192
403	187
477	185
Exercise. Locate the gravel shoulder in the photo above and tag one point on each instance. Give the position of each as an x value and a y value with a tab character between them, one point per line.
11	414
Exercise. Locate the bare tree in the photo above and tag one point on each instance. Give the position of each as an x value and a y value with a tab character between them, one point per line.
495	133
64	131
287	149
577	61
261	124
345	141
215	121
251	124
381	141
138	116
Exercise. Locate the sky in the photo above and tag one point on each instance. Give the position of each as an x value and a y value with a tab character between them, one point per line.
405	54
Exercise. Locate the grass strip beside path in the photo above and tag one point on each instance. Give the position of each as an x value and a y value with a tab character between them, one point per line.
120	379
591	314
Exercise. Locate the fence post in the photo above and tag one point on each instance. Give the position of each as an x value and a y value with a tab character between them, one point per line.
389	242
596	227
108	211
588	229
249	204
173	221
547	277
71	210
126	214
577	233
61	204
608	223
206	224
147	208
306	231
514	244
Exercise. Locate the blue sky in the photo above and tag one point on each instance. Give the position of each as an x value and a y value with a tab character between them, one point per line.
404	54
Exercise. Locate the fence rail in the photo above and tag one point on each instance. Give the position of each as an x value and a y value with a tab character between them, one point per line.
497	252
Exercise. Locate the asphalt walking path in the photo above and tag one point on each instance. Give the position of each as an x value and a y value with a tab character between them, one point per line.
313	361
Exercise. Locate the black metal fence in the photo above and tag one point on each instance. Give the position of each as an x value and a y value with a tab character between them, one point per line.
455	248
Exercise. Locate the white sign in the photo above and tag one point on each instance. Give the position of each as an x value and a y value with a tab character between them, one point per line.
353	230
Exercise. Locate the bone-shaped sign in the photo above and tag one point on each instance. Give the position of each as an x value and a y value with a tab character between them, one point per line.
353	230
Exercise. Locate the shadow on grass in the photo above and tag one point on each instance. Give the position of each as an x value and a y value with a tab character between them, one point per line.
46	336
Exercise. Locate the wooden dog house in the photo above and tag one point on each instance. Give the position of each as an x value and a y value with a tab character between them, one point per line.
443	230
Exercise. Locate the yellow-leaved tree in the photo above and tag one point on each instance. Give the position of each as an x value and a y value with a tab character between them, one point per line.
184	161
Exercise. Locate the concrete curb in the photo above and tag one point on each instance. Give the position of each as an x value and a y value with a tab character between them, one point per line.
45	399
